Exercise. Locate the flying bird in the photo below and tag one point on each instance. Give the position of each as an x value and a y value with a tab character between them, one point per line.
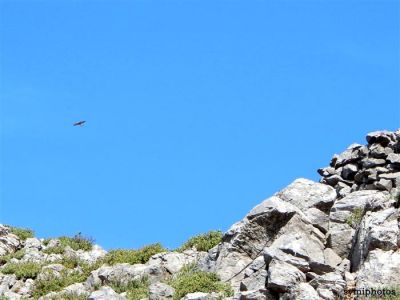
80	123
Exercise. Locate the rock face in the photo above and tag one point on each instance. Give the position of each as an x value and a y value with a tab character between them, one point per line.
312	240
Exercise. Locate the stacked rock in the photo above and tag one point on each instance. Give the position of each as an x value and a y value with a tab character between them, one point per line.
375	166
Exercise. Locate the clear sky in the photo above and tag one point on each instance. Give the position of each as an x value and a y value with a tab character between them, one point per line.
196	110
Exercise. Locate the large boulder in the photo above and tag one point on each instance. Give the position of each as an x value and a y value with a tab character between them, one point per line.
378	230
341	233
381	268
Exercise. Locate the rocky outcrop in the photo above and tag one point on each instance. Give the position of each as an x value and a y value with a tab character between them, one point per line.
312	240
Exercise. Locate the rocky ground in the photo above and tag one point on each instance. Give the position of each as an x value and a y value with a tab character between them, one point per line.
312	240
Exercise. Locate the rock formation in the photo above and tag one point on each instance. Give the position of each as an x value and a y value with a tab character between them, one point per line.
313	240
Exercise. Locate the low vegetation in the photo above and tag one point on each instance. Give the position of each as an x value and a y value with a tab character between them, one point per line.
355	217
191	280
22	233
6	258
22	270
139	256
77	242
136	289
203	242
69	276
54	283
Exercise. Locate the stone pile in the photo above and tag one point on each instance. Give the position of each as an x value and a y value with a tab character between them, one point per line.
375	166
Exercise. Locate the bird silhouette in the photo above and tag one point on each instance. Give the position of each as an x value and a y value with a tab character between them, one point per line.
80	123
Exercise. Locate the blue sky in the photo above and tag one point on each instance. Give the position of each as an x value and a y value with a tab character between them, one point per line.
196	110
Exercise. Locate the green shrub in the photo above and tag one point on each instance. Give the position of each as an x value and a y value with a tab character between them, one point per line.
136	289
22	270
203	242
22	233
355	217
191	280
54	283
55	250
139	256
17	254
78	242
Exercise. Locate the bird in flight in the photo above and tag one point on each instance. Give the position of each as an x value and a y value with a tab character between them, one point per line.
80	123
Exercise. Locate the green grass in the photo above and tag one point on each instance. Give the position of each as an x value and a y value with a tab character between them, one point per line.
22	270
191	280
203	242
355	217
17	254
22	233
132	257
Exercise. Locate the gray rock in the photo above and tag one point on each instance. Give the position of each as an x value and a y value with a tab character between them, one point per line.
124	273
245	240
302	291
348	156
349	171
384	184
23	288
393	158
51	271
12	296
33	243
377	230
283	276
318	218
6	283
381	268
299	244
326	294
331	258
304	194
9	243
330	281
105	293
381	137
372	162
173	262
262	294
91	256
255	276
197	296
160	291
326	171
53	243
378	151
389	176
